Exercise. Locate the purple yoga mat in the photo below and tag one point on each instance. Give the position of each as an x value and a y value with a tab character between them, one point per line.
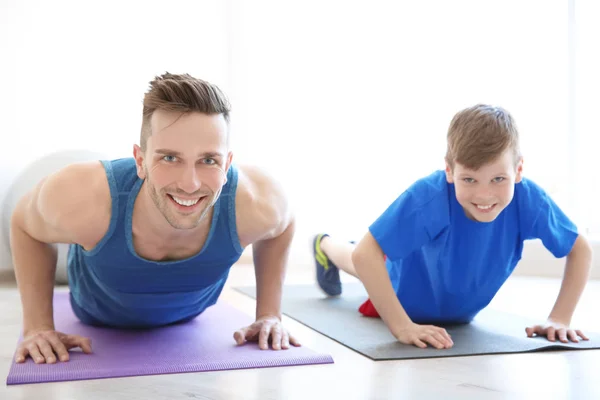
203	344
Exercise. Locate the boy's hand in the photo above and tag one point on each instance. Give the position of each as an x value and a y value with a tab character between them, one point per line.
420	335
48	346
263	329
553	329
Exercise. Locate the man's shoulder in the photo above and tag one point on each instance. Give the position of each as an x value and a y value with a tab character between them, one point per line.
77	199
262	206
81	181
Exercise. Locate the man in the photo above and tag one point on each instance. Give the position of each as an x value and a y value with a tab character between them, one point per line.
153	237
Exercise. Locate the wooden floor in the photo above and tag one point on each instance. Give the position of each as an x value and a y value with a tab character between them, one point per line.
546	375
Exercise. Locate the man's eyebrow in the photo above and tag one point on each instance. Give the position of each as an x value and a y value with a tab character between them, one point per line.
167	151
211	154
207	154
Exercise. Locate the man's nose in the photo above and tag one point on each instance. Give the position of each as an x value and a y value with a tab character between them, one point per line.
190	181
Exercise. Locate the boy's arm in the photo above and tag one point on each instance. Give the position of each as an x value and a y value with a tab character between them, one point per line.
369	262
577	271
53	212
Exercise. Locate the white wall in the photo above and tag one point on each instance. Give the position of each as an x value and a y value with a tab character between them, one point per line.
349	102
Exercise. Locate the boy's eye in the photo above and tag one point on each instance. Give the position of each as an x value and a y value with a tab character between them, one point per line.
469	180
498	179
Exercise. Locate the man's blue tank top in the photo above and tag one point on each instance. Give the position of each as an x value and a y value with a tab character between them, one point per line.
112	285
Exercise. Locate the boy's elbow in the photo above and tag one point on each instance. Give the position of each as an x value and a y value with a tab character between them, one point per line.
366	252
356	257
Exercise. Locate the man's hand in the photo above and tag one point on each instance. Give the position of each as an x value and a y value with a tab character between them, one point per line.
47	346
553	329
262	330
421	335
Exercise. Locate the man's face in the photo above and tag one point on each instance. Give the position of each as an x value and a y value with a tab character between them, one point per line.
484	193
185	165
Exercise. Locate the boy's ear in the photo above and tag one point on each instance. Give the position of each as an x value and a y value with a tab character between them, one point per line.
519	175
449	177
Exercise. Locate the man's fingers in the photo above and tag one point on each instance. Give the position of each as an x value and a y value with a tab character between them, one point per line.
84	343
246	334
59	348
276	337
21	354
239	336
285	340
417	342
34	352
46	350
294	341
263	337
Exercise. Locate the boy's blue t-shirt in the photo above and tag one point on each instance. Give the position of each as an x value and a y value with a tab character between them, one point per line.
446	267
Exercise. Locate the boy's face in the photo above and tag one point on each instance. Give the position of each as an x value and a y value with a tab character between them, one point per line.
484	193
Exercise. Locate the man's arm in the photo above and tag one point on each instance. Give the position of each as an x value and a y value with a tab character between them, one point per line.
270	261
58	210
265	221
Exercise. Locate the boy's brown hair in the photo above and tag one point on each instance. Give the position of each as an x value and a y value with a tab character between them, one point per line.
181	93
480	134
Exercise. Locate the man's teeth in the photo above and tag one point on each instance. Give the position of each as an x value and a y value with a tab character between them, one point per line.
185	202
484	207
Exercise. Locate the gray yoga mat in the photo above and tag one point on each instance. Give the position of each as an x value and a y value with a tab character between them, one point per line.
491	332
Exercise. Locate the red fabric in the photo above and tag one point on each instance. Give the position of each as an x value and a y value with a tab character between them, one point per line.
367	308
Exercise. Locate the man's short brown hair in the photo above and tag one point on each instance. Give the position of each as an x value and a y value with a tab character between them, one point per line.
181	93
480	134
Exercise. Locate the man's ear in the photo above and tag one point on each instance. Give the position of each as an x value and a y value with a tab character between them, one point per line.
519	175
449	177
138	154
227	166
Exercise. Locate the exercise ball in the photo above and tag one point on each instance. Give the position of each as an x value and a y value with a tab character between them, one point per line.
31	175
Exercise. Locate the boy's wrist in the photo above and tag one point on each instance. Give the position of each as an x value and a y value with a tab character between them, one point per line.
557	319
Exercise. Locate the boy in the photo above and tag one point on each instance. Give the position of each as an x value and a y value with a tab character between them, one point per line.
446	245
